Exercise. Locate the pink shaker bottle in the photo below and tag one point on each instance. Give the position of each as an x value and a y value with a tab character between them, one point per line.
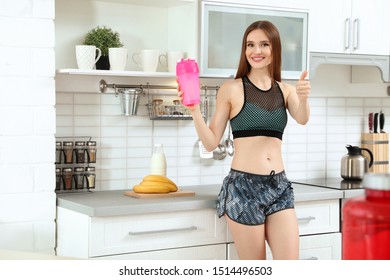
187	72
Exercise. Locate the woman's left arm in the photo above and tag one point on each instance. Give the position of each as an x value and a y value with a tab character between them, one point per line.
297	100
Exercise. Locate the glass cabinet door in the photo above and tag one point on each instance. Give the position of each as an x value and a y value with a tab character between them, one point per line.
223	27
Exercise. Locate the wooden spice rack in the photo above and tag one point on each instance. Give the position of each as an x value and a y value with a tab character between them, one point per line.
378	144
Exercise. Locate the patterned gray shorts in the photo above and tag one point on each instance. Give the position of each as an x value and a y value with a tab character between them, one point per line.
248	198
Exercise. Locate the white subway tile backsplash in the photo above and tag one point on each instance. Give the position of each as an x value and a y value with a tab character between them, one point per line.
113	174
87	110
336	102
125	143
372	102
87	99
91	121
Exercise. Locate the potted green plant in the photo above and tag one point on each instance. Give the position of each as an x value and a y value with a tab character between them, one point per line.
103	38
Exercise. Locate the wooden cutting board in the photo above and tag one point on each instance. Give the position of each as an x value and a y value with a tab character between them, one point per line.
159	195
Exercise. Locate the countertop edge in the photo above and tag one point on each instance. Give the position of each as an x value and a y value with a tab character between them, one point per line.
114	203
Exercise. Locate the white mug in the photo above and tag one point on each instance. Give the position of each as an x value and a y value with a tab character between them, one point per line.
147	60
86	56
169	60
117	58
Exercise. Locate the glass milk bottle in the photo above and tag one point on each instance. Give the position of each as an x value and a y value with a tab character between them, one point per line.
158	163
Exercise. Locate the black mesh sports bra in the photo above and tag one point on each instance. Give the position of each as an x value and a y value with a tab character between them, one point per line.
263	113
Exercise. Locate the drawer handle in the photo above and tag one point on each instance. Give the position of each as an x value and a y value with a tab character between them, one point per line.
306	219
191	228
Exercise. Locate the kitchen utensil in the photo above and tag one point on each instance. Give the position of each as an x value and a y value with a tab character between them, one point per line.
381	121
370	122
219	153
376	123
354	164
229	144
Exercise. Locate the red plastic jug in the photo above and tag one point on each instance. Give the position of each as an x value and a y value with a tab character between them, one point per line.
366	221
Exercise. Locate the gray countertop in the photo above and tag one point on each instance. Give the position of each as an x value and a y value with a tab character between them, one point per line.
114	203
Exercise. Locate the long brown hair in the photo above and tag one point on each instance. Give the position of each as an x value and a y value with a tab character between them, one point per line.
272	33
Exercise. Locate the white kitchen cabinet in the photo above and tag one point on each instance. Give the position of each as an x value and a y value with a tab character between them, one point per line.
319	230
157	235
311	247
222	28
350	26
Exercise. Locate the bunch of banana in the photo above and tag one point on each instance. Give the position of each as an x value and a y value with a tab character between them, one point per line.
155	184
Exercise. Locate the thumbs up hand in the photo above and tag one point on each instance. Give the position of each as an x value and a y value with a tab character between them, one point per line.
303	87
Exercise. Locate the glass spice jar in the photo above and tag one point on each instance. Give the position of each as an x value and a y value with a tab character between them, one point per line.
158	108
58	179
78	175
67	175
68	151
90	177
58	152
91	151
79	149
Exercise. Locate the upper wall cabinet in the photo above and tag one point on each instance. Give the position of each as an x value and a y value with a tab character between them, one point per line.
222	29
350	26
163	25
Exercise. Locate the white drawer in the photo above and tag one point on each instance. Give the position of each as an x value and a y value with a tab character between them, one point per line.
137	233
318	217
313	247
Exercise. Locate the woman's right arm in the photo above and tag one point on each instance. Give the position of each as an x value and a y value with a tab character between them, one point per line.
211	135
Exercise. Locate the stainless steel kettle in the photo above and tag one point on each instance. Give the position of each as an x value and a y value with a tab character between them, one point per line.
355	164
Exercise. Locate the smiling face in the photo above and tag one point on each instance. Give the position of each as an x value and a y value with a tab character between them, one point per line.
258	50
261	48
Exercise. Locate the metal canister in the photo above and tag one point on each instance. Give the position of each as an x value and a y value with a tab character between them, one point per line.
366	221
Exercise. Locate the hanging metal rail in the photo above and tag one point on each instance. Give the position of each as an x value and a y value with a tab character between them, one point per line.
103	86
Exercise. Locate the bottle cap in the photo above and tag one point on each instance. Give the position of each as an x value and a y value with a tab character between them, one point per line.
186	66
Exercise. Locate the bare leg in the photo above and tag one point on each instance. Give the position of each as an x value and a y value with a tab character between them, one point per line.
283	235
248	240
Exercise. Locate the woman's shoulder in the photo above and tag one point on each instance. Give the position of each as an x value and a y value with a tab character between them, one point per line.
285	87
232	85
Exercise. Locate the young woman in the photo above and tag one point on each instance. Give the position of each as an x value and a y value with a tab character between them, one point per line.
256	197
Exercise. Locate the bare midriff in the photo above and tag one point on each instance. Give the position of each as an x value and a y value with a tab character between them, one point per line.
258	155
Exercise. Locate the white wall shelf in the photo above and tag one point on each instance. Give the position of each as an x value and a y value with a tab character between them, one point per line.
116	73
